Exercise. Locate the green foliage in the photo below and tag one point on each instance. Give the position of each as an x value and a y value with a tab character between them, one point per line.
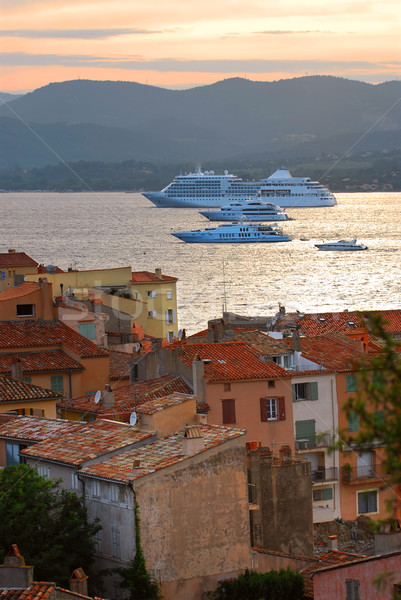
378	402
135	578
48	524
251	585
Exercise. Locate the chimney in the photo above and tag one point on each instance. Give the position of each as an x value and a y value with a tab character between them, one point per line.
198	374
79	582
296	341
16	370
11	250
14	574
333	542
192	441
108	397
158	273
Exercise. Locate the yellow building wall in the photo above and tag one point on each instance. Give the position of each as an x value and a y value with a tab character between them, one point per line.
155	294
11	271
86	279
39	408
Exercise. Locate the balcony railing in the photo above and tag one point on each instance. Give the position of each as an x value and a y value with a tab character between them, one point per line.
321	475
313	441
356	474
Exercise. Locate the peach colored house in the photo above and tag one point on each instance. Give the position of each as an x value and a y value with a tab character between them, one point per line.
53	356
241	390
23	398
29	300
13	266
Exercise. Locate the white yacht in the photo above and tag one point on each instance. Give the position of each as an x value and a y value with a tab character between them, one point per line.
248	210
234	233
343	245
208	190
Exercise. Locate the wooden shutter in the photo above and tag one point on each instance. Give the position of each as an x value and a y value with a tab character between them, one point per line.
263	409
228	406
281	408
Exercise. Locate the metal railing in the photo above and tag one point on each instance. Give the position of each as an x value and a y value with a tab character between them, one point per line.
323	474
363	472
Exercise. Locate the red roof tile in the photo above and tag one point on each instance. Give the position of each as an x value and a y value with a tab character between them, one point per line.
230	361
20	290
39	362
332	557
157	455
149	277
346	321
128	396
34	429
153	406
87	442
16	259
39	332
14	390
36	591
119	364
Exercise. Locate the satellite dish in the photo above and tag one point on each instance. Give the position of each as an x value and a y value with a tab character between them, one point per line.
132	418
98	395
137	347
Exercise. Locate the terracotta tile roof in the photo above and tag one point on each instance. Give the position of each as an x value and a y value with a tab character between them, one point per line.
20	290
16	259
119	364
149	277
260	340
39	362
334	351
89	441
231	361
126	397
36	591
157	455
35	429
14	390
317	323
332	557
153	406
39	332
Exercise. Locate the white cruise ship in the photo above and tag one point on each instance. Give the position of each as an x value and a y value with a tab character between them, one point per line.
208	190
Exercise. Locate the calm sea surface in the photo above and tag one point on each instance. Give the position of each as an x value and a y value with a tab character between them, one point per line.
98	230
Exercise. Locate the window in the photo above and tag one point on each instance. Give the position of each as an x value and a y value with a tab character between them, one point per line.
96	488
56	383
99	541
25	310
227	387
305	391
114	493
74	480
151	294
352	589
272	409
3	275
353	422
305	433
115	542
88	330
228	407
170	316
170	336
44	472
12	454
323	494
169	294
271	383
367	502
27	379
379	416
351	383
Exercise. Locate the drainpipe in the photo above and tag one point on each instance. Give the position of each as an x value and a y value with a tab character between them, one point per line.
333	429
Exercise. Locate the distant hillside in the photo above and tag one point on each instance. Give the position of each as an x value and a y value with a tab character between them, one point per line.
231	119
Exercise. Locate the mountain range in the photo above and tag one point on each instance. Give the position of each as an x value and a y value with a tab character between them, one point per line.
231	119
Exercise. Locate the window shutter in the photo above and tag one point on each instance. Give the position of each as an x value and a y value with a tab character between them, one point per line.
327	494
173	315
167	319
353	422
281	408
263	409
314	391
228	406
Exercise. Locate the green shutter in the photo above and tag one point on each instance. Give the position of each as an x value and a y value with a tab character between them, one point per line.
88	330
327	494
351	383
314	391
56	383
353	422
379	416
306	430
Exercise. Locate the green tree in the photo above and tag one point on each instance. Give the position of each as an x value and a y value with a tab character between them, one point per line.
251	585
378	401
135	578
48	524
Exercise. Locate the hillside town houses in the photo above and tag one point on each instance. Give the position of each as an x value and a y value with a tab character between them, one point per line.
228	440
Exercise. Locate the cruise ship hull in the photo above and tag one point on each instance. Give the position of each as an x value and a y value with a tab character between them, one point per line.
162	201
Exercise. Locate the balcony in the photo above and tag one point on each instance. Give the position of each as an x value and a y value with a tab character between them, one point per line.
313	441
323	475
363	473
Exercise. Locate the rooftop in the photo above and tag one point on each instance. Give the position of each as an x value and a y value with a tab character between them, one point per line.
38	590
39	361
24	289
126	397
14	390
149	277
157	455
230	361
34	429
16	259
40	332
153	406
332	557
87	442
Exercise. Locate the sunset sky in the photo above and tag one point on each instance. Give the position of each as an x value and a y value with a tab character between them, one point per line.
182	43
